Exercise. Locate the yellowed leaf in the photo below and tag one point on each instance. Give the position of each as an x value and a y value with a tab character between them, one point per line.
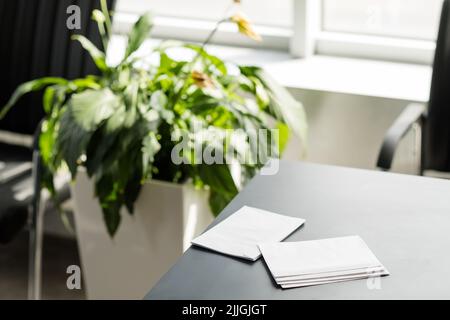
245	27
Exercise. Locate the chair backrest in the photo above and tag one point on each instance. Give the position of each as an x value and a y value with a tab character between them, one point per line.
437	126
35	42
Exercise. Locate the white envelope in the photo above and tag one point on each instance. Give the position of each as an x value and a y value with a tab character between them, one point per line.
315	283
240	234
333	278
322	275
310	257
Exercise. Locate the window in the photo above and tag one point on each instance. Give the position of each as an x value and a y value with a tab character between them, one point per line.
402	30
192	20
394	30
263	12
414	19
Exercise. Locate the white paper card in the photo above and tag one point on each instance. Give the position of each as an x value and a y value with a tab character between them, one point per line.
327	275
240	234
333	278
289	259
315	283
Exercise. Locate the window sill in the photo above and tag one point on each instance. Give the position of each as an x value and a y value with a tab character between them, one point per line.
391	80
371	78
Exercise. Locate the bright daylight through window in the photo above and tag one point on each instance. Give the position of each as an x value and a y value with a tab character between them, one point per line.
330	27
416	20
263	12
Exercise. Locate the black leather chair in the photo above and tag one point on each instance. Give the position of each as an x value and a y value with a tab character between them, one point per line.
433	120
34	42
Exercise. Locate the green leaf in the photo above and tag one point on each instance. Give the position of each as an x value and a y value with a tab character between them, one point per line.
117	120
284	106
48	98
284	133
131	95
105	186
55	95
98	149
132	190
166	63
24	88
90	107
262	96
203	104
112	218
219	178
150	147
138	34
218	202
106	189
72	140
90	82
84	113
97	56
46	140
158	102
98	16
47	180
215	61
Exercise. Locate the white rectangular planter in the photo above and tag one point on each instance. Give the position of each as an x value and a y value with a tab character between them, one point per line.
167	216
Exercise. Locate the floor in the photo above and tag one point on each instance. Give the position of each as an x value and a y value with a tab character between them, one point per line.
59	253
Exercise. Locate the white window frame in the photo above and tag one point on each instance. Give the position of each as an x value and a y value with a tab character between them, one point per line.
276	38
304	40
309	38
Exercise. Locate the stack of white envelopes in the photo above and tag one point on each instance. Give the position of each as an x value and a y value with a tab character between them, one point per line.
240	234
308	263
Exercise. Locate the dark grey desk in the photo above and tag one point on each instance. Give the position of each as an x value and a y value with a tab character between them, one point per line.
405	220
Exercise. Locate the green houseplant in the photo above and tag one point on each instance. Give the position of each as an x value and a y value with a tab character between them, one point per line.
123	125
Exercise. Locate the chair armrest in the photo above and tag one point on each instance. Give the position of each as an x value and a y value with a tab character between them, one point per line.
412	114
17	139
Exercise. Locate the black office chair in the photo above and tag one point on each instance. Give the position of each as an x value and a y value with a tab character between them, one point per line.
34	42
434	121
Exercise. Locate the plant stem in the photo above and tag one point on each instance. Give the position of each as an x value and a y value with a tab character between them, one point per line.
104	6
106	33
213	32
191	64
101	29
208	39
